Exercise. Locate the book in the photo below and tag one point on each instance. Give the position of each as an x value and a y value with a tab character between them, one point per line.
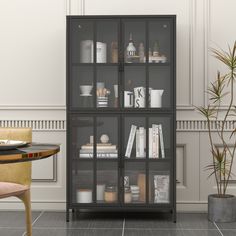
161	188
99	155
137	143
161	142
150	142
109	147
130	140
99	151
142	142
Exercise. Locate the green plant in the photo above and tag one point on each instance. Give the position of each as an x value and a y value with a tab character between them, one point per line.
223	86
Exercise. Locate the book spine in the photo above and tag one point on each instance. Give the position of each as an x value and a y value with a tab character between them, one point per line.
98	147
99	155
162	142
141	141
154	147
150	142
157	141
130	140
137	144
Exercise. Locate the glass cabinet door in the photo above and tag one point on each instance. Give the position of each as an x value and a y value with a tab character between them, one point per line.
82	162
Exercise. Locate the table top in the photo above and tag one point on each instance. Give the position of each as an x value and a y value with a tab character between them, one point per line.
30	152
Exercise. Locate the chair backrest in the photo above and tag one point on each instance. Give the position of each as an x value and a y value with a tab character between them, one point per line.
18	172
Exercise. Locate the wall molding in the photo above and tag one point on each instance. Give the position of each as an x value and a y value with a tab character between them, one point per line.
60	125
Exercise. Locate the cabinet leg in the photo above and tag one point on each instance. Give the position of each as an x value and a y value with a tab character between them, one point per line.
67	215
174	215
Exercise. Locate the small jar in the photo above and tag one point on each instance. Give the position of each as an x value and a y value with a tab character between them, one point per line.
128	195
110	194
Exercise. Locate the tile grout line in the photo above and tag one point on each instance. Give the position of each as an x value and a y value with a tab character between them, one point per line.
24	234
123	229
218	229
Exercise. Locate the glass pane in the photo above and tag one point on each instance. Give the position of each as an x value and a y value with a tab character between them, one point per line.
160	87
134	89
107	137
107	182
107	41
107	86
82	179
135	137
82	41
135	41
82	137
160	137
159	182
82	87
159	41
135	183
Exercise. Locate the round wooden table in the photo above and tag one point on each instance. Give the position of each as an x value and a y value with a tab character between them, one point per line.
30	152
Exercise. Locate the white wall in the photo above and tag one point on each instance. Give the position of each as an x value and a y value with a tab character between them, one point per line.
32	82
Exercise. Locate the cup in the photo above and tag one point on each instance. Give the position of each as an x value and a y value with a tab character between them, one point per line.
139	97
128	99
156	97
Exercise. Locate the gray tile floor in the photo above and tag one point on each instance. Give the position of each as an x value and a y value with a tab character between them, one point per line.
115	224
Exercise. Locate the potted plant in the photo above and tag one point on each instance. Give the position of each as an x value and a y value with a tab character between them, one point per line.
222	206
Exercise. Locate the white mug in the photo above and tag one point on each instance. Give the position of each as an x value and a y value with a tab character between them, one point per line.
156	97
139	97
128	99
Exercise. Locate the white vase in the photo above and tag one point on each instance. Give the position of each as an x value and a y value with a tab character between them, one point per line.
156	97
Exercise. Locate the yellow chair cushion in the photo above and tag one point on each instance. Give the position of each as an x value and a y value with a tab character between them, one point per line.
8	189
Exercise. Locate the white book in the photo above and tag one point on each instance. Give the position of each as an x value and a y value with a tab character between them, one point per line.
137	144
154	146
110	147
130	140
99	155
162	142
142	141
157	141
150	142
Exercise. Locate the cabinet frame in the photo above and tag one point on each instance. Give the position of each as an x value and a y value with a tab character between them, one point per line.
121	112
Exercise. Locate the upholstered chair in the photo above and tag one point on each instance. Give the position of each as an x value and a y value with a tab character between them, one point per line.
15	179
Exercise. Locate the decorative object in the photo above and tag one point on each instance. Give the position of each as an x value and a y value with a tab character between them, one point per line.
100	192
126	181
156	98
100	85
91	139
85	90
128	99
114	52
86	51
221	206
131	51
116	95
142	186
110	195
139	97
104	138
84	195
128	195
161	188
156	49
101	52
141	52
135	192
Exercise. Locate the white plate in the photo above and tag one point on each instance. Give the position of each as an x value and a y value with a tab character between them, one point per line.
11	144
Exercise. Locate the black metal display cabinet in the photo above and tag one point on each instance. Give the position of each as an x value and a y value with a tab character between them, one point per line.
121	113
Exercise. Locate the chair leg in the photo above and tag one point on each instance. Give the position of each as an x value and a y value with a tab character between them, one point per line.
25	197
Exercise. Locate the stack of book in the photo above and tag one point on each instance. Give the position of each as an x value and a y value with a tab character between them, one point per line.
104	150
156	142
